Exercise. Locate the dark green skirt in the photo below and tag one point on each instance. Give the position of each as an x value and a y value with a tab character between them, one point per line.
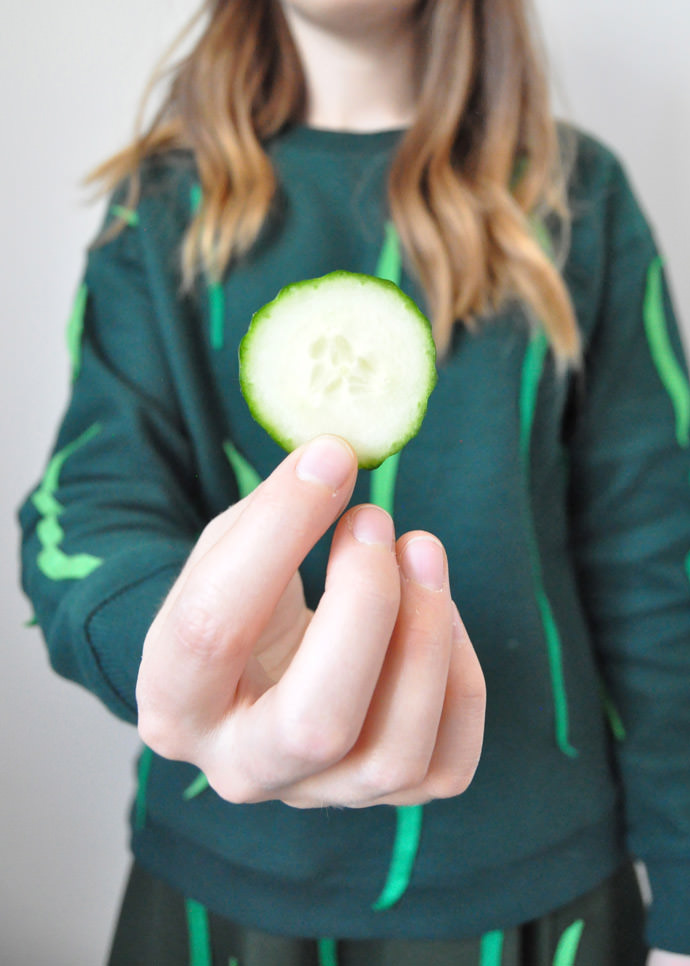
158	927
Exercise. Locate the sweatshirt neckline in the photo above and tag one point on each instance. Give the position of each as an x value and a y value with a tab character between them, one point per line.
329	141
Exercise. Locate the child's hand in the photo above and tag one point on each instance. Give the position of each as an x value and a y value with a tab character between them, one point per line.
376	697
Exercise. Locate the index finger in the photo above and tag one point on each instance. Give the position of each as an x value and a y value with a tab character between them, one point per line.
198	646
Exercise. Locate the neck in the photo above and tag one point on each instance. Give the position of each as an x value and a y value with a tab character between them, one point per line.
359	79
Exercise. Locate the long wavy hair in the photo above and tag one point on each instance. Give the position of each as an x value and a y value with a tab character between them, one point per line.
475	178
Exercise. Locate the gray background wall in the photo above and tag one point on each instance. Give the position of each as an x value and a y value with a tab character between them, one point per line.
70	78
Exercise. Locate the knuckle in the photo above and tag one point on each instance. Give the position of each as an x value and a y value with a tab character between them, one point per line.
474	714
235	788
424	637
159	734
380	601
450	784
473	687
196	623
383	776
315	742
375	588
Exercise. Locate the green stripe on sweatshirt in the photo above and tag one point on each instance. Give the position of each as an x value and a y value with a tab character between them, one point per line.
532	370
52	561
214	289
669	369
75	329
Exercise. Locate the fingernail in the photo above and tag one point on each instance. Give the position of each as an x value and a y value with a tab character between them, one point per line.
423	561
373	526
327	460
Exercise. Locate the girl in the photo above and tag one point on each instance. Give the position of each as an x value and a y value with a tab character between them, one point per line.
413	140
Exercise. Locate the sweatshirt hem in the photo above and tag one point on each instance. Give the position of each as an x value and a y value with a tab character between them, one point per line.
484	900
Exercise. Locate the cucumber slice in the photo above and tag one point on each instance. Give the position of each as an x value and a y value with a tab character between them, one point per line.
346	354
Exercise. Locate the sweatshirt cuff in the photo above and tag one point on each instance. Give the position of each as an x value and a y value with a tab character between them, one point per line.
668	921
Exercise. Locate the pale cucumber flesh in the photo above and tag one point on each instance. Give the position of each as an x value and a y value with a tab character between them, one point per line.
346	354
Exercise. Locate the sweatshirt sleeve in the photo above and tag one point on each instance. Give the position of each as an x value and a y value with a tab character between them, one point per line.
630	476
115	514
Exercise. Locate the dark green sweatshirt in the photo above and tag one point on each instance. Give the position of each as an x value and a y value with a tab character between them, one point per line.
562	500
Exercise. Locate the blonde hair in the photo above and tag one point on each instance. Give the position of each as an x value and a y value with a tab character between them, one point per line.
473	178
